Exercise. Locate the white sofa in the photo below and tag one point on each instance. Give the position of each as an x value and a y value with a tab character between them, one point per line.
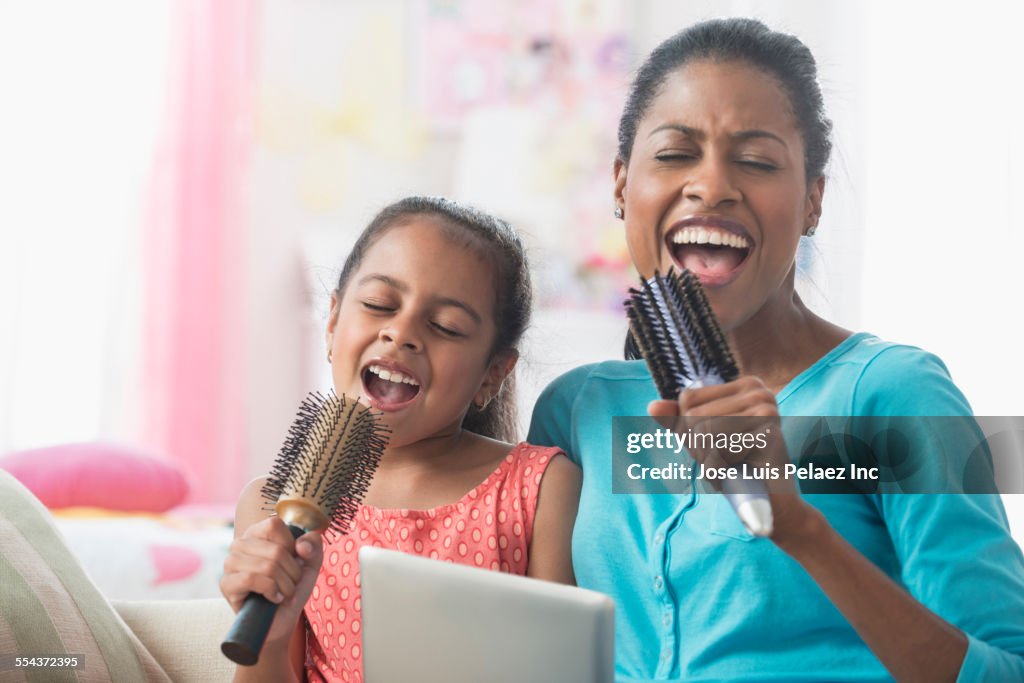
50	607
183	636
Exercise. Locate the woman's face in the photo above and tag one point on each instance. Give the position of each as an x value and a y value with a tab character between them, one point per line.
716	184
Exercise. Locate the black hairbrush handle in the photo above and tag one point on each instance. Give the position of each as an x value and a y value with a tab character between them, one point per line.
244	640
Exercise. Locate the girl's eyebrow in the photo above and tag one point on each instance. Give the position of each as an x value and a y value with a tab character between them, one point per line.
403	287
698	134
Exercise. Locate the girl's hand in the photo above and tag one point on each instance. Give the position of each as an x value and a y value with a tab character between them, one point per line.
710	409
267	560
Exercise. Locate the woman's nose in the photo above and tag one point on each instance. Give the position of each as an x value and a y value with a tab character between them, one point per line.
711	183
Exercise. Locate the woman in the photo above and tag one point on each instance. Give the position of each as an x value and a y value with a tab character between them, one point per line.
722	148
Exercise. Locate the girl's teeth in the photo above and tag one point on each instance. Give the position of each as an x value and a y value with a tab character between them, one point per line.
391	376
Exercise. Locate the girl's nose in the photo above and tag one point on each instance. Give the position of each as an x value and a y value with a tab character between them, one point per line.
711	183
401	335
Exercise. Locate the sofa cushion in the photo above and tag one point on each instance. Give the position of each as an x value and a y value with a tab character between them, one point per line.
49	607
183	635
98	475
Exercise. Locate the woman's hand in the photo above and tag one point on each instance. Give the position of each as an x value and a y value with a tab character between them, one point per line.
744	405
266	559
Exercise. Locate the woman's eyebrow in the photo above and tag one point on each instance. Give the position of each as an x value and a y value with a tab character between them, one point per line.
685	130
757	133
698	134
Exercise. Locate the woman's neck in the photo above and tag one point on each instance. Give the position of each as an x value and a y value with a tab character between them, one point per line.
782	340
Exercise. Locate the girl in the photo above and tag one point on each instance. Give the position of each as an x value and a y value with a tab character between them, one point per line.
424	324
723	144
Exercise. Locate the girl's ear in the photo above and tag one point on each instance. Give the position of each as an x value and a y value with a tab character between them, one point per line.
501	366
332	321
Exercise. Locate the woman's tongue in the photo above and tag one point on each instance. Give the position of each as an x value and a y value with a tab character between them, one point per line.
388	392
708	261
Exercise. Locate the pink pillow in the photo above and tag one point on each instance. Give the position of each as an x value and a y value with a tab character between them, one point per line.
98	475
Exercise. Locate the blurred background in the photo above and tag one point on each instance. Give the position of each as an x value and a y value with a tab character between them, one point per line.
181	181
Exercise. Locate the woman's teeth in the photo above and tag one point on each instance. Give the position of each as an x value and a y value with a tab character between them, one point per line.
392	376
712	236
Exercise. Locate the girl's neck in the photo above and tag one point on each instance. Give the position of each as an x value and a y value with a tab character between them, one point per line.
782	340
429	451
436	471
449	448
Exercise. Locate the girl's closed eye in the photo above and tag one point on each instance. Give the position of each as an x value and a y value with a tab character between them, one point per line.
447	329
378	306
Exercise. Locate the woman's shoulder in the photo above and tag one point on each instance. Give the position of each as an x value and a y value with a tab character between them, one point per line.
618	373
877	376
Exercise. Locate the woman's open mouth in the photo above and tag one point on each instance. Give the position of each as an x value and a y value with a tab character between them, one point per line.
389	386
712	249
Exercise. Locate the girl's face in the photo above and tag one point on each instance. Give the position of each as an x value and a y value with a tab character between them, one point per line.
716	184
413	331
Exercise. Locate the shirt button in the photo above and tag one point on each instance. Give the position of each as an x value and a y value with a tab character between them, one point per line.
659	538
658	583
667	620
666	654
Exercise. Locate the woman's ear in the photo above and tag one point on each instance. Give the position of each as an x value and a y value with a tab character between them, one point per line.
501	366
332	322
815	193
619	184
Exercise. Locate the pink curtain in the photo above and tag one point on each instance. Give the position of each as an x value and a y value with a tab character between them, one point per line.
195	242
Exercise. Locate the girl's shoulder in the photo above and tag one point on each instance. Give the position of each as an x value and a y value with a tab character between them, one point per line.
526	464
516	483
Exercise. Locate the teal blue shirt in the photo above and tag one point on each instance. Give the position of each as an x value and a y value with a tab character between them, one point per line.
698	598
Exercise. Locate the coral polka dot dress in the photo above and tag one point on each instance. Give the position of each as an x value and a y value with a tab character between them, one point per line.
489	527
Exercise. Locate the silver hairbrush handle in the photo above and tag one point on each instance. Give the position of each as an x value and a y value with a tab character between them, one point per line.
748	497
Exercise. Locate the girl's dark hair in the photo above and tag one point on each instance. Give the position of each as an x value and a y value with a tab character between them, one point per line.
495	239
746	40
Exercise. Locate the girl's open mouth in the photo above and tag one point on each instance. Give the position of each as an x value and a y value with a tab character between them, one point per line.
711	252
388	386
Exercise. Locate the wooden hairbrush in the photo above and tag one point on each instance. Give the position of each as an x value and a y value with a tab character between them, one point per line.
316	483
673	328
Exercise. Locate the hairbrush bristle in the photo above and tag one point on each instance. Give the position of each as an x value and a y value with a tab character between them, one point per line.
675	331
329	458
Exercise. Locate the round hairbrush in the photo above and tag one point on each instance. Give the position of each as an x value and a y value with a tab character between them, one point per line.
673	328
316	483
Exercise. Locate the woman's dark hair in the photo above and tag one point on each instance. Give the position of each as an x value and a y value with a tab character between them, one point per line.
496	240
745	40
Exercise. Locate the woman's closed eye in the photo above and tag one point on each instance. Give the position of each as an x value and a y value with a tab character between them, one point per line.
758	164
675	156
